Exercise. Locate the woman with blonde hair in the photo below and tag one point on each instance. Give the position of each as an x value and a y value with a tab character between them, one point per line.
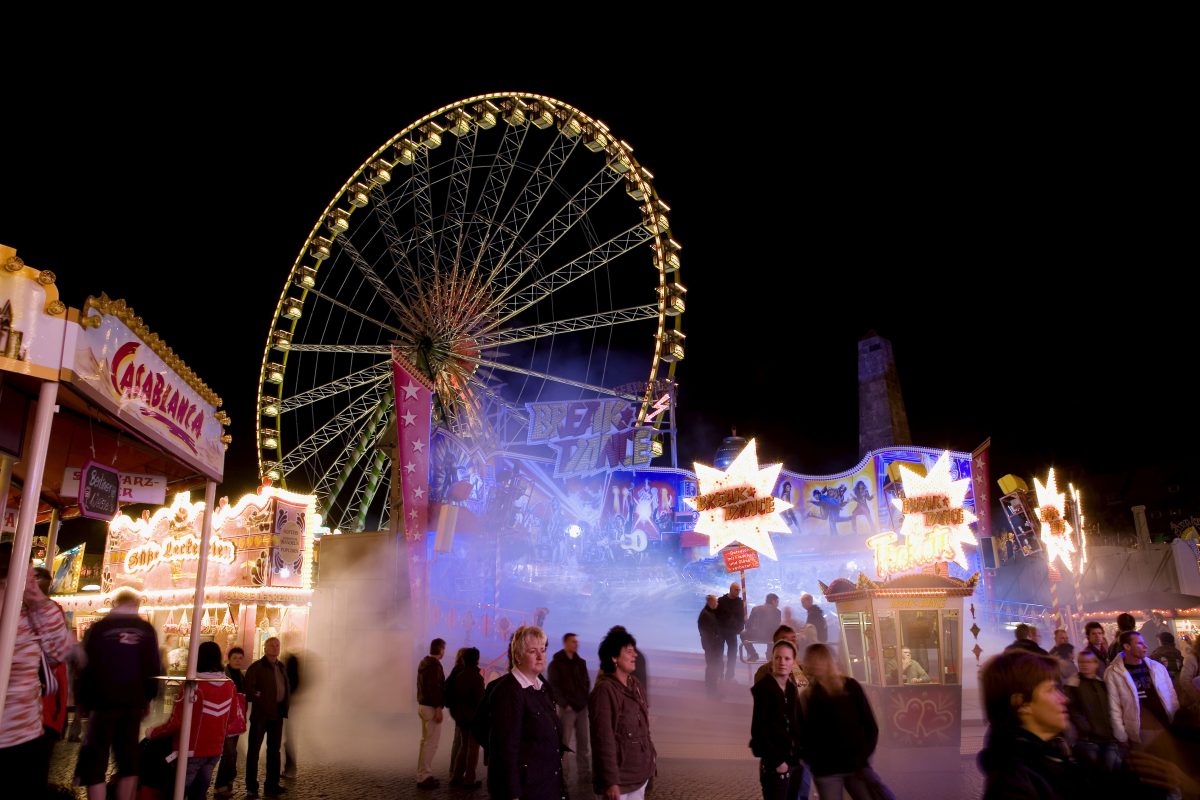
524	749
839	732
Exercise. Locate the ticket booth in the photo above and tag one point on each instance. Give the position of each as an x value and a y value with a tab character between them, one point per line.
902	640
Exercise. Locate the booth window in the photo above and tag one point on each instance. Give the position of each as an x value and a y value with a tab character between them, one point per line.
858	639
920	651
951	645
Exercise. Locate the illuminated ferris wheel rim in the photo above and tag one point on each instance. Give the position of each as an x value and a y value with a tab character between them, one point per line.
484	111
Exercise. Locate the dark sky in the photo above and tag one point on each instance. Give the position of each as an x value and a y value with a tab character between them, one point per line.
1019	242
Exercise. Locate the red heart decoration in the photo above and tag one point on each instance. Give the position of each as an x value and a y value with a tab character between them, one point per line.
921	718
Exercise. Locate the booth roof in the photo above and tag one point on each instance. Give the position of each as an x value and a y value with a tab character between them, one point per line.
919	583
83	432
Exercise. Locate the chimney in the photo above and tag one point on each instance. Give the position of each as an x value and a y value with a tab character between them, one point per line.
1141	527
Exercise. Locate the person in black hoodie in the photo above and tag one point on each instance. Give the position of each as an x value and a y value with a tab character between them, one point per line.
1026	639
775	729
838	733
571	684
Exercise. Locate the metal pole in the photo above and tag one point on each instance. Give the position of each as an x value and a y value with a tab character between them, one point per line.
189	694
23	542
52	538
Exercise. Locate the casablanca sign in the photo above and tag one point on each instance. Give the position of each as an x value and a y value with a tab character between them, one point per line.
935	525
737	506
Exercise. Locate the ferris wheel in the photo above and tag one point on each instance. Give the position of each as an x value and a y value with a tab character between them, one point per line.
510	247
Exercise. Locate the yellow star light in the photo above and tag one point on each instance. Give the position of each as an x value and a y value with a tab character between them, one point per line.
746	484
946	502
1056	531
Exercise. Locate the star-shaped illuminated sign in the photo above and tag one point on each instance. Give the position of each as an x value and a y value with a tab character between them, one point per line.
1056	531
736	505
935	501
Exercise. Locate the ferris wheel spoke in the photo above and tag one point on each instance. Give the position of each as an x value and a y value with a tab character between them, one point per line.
487	205
599	256
513	270
385	215
587	322
535	189
331	430
330	484
423	222
352	349
529	373
397	306
363	377
349	309
450	235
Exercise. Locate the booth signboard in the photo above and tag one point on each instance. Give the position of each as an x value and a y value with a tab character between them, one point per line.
130	373
739	558
99	492
135	488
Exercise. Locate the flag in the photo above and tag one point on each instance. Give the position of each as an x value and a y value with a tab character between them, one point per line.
414	411
981	486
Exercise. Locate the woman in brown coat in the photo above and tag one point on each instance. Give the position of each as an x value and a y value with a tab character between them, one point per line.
623	757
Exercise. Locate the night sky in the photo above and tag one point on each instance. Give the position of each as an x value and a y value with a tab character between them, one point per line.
1018	245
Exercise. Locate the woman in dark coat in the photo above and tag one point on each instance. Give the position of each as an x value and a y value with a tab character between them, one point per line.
775	729
839	731
525	743
464	691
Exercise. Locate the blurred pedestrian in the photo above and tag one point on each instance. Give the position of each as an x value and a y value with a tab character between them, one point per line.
1091	714
212	700
464	691
1168	655
116	687
839	733
41	635
816	617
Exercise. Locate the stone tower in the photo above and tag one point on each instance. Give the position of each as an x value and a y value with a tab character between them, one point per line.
882	420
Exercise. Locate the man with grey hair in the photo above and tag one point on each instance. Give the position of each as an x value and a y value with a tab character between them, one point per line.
269	694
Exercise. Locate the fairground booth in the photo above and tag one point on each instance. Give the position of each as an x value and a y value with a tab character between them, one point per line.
89	399
259	582
902	636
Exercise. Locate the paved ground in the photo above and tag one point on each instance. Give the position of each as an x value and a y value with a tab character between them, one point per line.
702	747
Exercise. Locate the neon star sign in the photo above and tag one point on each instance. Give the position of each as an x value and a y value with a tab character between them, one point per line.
737	506
1056	531
935	526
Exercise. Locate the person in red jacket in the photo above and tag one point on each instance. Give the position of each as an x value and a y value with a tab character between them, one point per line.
210	717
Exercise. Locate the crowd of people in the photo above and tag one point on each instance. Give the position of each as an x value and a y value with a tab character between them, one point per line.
112	679
1113	720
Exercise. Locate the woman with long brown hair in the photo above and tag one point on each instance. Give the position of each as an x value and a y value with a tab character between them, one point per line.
839	732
